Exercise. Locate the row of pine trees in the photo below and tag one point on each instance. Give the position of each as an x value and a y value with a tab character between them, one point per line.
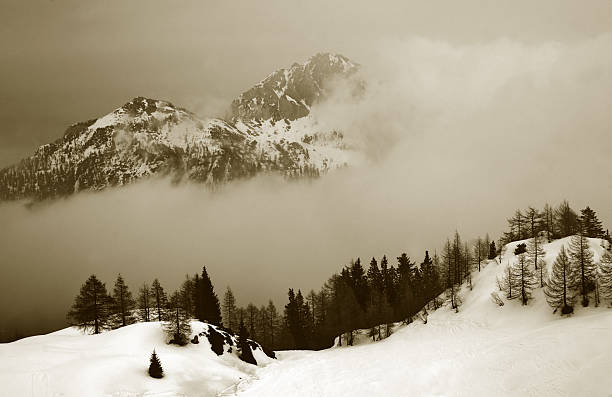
554	223
370	297
574	273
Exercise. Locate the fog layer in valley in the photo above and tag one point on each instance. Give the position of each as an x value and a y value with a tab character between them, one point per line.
455	137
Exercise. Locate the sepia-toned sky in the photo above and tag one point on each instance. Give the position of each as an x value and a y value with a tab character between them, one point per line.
472	109
65	61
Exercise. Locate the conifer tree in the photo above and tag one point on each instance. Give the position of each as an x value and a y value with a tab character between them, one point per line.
176	324
558	288
155	367
478	252
548	222
123	304
581	258
144	303
591	225
566	220
374	311
508	282
211	310
486	244
534	221
468	260
186	294
229	310
273	322
517	225
524	278
492	250
449	273
251	311
535	256
91	308
160	299
605	274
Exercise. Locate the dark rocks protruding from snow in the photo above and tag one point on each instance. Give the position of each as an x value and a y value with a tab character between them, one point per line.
223	340
216	341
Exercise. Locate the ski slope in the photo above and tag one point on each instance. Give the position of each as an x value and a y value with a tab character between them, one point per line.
483	350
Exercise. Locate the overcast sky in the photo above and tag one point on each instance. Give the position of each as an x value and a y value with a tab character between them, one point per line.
472	109
67	61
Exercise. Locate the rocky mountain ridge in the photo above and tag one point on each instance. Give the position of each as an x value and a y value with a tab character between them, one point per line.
270	130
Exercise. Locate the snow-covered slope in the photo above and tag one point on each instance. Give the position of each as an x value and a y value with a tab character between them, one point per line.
115	363
483	350
153	137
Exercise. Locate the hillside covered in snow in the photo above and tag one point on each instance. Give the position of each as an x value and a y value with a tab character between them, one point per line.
485	348
269	130
115	363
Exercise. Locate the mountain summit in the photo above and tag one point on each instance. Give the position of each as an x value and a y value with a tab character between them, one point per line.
289	93
269	131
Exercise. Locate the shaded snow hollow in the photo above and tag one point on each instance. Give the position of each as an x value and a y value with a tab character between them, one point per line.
483	350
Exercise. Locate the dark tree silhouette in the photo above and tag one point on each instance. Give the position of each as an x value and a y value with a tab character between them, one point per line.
123	304
91	308
492	250
591	225
206	300
160	299
155	368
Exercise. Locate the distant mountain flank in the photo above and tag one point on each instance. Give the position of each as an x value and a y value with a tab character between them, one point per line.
269	131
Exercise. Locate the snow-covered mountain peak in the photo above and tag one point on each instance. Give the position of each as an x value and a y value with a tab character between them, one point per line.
290	93
269	132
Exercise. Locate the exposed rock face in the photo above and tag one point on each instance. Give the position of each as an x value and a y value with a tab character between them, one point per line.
270	131
289	93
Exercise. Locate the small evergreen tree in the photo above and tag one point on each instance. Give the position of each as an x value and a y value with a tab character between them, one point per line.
92	307
155	368
558	286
